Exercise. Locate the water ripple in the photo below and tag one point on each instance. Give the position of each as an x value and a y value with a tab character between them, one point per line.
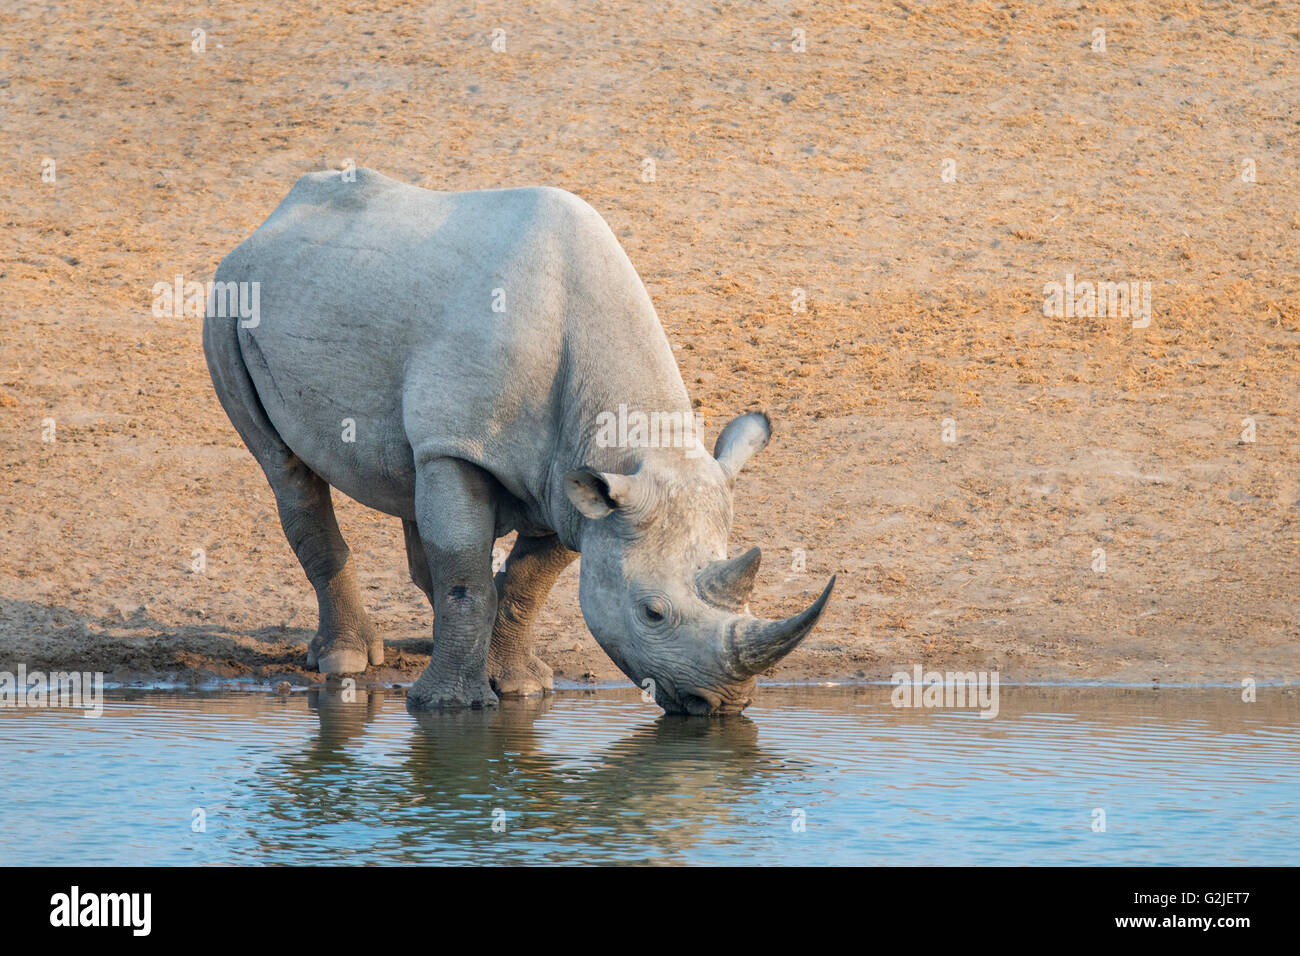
809	775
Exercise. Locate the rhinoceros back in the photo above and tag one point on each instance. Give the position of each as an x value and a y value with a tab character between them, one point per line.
397	324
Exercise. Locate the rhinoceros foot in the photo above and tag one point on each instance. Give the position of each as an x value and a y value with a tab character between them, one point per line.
349	652
431	692
520	676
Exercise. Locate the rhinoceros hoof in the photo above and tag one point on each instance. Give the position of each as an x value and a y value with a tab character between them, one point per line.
527	677
436	695
344	656
343	660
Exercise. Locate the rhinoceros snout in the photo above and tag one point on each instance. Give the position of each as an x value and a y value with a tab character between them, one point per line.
707	702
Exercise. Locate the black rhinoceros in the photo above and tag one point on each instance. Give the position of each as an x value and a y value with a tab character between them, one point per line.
452	359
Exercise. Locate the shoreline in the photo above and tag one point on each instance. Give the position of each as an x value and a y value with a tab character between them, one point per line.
238	685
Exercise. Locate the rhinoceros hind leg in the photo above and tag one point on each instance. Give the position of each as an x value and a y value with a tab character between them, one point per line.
417	561
346	640
522	585
455	520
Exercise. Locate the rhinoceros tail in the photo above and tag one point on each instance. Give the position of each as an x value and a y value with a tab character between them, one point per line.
235	388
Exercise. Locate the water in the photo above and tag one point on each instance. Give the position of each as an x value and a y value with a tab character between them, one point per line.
1184	777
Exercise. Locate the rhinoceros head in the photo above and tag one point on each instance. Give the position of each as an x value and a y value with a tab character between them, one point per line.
657	589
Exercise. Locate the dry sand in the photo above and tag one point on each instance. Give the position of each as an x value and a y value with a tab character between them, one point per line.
774	170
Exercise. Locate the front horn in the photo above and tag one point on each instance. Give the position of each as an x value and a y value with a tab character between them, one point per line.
753	645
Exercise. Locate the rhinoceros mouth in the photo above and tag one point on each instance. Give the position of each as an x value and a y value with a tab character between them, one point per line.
683	702
701	702
697	705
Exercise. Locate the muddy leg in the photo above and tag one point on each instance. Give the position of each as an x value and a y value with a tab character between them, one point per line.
522	585
345	640
456	521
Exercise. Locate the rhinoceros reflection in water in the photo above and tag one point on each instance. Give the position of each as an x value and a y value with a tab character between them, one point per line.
453	359
432	792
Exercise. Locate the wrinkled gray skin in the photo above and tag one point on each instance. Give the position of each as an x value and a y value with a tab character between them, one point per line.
376	306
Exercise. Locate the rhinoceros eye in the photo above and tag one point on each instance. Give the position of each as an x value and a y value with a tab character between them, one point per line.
653	611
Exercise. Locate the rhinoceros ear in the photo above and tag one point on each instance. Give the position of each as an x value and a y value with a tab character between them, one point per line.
741	439
596	493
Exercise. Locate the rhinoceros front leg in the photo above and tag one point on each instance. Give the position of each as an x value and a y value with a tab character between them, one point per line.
455	519
522	585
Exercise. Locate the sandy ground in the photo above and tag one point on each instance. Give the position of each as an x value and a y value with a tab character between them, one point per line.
775	170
